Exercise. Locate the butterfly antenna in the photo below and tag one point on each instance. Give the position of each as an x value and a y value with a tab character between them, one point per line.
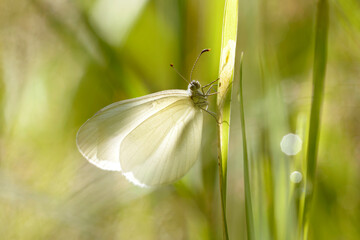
172	65
205	50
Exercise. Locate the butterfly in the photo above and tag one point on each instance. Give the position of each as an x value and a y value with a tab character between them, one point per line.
154	139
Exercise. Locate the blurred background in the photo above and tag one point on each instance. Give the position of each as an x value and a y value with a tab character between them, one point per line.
61	61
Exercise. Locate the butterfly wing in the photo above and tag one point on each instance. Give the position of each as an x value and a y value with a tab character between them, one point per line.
127	135
164	147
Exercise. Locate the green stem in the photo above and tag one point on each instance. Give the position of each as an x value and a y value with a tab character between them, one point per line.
226	70
248	202
321	33
222	184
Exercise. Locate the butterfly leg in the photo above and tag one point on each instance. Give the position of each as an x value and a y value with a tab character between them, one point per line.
214	116
210	112
208	91
210	83
214	93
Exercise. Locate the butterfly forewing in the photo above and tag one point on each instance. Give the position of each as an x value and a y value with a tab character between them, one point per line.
153	139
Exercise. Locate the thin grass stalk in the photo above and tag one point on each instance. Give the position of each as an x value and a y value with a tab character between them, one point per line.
226	70
248	202
320	57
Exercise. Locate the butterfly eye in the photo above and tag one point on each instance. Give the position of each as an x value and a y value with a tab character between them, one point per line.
195	85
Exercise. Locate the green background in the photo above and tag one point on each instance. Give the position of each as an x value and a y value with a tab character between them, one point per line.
62	61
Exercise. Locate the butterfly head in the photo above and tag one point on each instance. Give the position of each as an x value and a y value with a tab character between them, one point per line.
194	86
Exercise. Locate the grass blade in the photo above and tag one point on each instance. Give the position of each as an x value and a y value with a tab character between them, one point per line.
248	203
226	70
320	56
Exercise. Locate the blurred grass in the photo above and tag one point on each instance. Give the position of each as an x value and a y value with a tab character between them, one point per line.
247	183
61	61
319	69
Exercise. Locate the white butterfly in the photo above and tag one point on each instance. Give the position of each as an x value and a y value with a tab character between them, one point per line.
153	140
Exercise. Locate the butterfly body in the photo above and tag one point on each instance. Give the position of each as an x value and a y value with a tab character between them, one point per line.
199	97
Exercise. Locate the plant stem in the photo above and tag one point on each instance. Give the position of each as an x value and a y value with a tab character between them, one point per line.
321	33
248	202
226	70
